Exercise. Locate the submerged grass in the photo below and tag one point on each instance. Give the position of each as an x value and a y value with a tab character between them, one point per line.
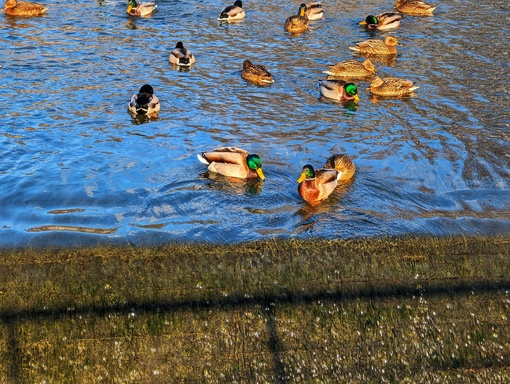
365	310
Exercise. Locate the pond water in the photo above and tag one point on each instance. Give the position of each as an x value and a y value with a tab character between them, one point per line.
77	169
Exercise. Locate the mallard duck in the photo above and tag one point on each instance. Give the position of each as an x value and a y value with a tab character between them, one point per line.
297	23
142	9
338	90
256	73
414	7
316	185
233	162
13	8
145	102
181	56
383	21
343	164
314	11
391	86
233	12
352	69
377	47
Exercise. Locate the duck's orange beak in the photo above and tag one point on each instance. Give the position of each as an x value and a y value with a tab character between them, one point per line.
302	177
261	174
356	98
129	8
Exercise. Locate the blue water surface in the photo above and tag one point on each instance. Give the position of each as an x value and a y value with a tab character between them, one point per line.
77	169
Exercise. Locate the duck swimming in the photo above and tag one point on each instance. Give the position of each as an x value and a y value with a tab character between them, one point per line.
233	162
415	7
256	73
141	10
297	23
377	47
383	21
145	102
339	90
391	86
181	56
13	8
233	12
343	164
352	69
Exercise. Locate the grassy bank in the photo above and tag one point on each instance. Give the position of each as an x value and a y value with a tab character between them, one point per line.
378	310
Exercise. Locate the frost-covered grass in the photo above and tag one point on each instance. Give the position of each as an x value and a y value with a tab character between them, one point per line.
376	310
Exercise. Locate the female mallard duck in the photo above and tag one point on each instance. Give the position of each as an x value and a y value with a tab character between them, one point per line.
343	164
233	12
142	9
316	185
391	86
13	8
414	7
377	47
382	21
339	90
352	69
145	102
297	23
233	162
181	56
314	11
256	73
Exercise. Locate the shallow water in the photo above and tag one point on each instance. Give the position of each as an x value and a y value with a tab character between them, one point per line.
76	169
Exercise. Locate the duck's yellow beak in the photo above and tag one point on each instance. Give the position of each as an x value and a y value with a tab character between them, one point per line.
129	8
363	22
261	174
356	98
302	177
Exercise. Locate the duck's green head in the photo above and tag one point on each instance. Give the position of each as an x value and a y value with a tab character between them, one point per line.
370	20
302	10
306	173
254	162
352	90
131	4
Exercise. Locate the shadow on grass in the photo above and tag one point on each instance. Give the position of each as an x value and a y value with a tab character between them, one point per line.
376	273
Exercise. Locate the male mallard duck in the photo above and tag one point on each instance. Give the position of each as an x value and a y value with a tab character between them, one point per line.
352	69
181	56
316	185
377	47
414	7
314	11
391	86
233	12
339	90
383	21
13	8
142	9
145	102
256	73
233	162
343	164
297	23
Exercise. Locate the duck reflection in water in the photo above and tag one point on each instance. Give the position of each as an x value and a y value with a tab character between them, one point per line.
307	212
233	185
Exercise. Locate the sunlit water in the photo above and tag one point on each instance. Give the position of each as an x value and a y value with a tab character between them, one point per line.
75	168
